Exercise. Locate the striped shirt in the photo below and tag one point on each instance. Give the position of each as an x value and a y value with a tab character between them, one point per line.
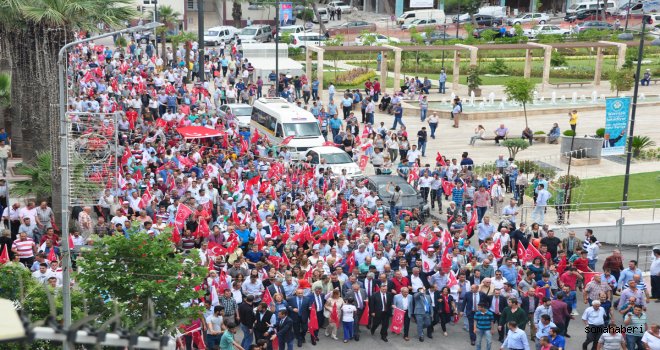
24	248
457	195
637	323
483	320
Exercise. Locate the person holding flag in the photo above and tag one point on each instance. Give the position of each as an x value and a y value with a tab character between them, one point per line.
359	299
380	306
348	312
331	311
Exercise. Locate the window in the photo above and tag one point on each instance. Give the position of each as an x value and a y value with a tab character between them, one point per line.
191	4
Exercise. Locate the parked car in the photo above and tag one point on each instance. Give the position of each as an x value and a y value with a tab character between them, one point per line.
352	27
411	198
421	24
595	25
584	15
539	18
478	31
302	40
217	34
345	8
545	29
334	158
242	112
487	20
438	36
379	39
323	13
256	33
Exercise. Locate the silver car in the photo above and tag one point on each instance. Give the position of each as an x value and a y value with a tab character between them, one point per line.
241	112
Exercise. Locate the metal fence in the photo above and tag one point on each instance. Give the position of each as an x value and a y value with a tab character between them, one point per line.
585	213
645	255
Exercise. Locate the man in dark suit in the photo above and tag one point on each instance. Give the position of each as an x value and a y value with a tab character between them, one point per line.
475	278
299	311
472	300
529	304
284	331
263	316
276	287
359	297
348	286
497	305
384	281
316	301
370	284
435	318
380	307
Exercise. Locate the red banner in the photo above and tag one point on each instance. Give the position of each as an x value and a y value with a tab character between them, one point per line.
313	323
397	321
364	320
182	213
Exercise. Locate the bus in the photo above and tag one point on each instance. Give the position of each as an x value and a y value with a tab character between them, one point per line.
279	119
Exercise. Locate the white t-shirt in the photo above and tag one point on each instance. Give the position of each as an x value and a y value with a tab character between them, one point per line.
652	341
347	312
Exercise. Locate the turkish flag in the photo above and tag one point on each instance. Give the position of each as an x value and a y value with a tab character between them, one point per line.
244	146
308	274
211	266
344	208
350	261
469	229
198	339
51	254
71	244
446	259
440	160
313	323
334	316
452	279
176	236
497	249
275	343
266	297
255	136
397	321
364	160
4	256
447	186
286	140
364	320
532	252
182	213
202	229
588	276
259	240
301	215
285	260
522	253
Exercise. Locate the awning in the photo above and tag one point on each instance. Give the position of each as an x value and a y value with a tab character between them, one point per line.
198	132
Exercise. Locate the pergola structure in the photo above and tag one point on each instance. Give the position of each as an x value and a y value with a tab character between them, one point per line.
474	55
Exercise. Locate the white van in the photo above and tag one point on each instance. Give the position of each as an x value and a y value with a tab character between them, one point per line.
592	5
302	40
323	13
279	119
217	34
409	16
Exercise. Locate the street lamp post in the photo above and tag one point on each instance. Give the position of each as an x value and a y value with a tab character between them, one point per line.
633	112
65	163
277	47
200	40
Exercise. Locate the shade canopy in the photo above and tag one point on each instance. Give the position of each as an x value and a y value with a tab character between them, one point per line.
197	132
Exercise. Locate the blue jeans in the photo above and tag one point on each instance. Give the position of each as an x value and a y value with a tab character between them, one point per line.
335	132
441	89
423	321
248	337
421	145
213	340
370	118
394	211
634	342
398	120
481	211
315	94
423	113
348	330
592	264
481	334
433	126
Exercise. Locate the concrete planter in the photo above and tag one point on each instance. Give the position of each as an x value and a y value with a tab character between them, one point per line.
592	147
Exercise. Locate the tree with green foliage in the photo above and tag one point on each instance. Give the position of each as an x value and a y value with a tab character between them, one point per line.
417	39
38	182
474	80
5	97
621	80
337	40
515	145
187	39
168	16
138	271
520	90
526	166
368	39
237	13
639	143
557	59
38	30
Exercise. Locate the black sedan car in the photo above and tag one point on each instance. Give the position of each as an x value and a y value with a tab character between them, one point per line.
411	197
590	14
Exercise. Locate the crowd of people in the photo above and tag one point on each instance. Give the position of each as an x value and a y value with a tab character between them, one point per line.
294	252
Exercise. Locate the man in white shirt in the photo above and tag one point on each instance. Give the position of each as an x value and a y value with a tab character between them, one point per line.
425	185
413	154
655	275
510	212
538	215
379	261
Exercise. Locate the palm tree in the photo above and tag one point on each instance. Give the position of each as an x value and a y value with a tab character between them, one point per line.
640	143
167	15
5	93
38	30
186	38
39	182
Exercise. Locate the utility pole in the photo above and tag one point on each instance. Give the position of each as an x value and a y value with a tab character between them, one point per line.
277	47
200	39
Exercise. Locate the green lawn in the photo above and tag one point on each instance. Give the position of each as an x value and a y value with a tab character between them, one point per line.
610	189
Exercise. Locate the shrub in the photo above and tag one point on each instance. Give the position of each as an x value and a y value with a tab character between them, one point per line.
353	77
526	166
640	143
498	67
549	172
550	38
540	132
600	132
572	180
557	59
569	133
488	35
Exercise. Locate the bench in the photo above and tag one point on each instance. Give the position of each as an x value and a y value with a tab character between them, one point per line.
569	84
